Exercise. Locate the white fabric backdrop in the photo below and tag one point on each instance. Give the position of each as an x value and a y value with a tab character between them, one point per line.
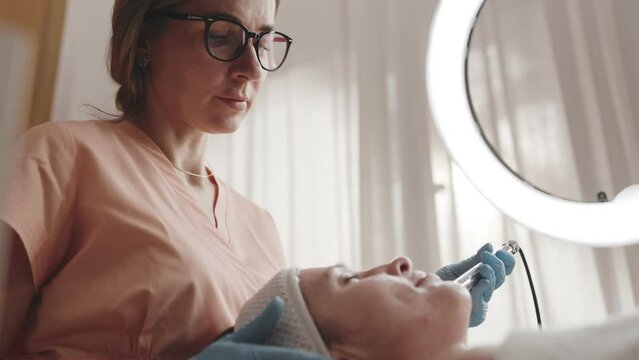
341	150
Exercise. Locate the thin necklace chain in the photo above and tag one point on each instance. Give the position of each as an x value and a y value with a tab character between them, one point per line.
190	173
169	160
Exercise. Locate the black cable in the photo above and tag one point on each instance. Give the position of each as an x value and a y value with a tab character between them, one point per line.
532	287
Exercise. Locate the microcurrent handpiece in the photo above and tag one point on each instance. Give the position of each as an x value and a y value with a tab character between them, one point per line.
471	277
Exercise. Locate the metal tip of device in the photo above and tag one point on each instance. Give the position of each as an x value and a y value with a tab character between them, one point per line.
513	245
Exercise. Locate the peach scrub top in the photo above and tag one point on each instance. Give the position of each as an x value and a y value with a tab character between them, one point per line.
125	263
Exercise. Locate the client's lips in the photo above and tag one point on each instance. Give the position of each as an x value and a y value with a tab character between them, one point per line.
234	98
426	279
234	101
421	280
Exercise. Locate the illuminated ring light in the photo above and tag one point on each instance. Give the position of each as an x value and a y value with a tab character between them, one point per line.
613	223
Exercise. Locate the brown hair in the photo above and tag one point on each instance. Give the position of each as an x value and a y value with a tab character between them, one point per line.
129	17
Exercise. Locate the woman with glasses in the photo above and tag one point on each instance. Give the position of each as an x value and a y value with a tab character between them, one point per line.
125	244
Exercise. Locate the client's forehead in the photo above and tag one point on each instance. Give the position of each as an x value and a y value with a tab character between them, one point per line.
327	274
319	280
314	275
323	283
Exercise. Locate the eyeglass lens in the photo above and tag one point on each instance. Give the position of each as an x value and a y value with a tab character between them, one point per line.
226	40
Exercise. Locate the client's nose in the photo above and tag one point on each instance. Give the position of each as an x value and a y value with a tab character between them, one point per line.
399	266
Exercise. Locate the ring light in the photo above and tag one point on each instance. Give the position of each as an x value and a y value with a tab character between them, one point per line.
613	223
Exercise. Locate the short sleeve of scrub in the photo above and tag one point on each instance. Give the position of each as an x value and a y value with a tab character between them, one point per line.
40	195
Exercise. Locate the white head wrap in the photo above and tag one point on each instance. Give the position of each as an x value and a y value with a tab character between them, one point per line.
296	328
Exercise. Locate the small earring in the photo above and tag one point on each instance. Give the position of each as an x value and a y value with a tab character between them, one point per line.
143	61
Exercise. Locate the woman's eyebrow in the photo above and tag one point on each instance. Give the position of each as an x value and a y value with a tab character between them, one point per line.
266	28
227	16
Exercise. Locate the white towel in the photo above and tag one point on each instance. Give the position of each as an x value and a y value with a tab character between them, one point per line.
616	339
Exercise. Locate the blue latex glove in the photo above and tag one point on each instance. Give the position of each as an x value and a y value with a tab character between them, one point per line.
246	343
493	274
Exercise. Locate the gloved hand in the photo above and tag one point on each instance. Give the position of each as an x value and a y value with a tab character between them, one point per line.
493	274
246	343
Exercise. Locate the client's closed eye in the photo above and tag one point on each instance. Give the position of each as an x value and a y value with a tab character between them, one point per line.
351	277
343	275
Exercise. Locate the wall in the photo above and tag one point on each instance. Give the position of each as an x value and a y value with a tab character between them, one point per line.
16	48
82	73
29	39
42	23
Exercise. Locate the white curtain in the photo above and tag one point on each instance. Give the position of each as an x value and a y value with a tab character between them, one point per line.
337	147
341	149
297	153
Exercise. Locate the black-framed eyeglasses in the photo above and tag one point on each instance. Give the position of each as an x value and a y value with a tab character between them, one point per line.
226	40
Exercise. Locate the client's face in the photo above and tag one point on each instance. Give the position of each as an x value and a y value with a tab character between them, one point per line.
388	312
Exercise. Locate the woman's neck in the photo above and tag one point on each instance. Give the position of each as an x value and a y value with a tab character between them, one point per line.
184	146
